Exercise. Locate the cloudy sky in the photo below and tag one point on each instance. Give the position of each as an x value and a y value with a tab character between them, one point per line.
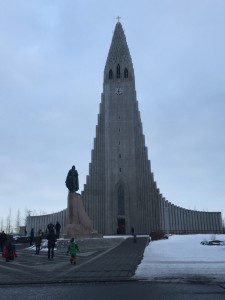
52	57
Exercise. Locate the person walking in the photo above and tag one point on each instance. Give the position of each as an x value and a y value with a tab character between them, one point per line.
72	250
3	239
51	237
134	235
31	236
1	248
57	229
38	240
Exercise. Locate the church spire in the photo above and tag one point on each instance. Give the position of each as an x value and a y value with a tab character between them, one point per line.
119	54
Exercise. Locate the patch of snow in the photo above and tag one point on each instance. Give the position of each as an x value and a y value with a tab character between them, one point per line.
182	256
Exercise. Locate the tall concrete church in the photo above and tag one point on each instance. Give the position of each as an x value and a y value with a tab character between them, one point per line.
120	190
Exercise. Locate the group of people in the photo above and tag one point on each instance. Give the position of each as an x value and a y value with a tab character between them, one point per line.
52	234
51	227
7	248
56	228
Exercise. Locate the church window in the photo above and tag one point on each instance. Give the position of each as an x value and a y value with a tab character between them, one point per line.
110	74
125	73
118	71
121	200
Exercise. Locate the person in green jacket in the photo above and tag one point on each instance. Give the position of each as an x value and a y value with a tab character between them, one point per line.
72	250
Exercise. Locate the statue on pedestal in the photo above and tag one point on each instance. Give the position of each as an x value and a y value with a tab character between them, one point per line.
72	182
77	220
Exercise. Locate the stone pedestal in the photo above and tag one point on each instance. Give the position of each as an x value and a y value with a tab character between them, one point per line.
78	222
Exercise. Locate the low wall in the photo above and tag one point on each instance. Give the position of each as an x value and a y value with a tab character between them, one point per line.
41	222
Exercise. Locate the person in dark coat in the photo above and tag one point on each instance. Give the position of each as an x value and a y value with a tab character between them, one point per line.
38	240
50	227
32	236
51	237
57	229
3	239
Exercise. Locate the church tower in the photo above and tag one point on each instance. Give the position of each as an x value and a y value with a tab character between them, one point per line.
120	192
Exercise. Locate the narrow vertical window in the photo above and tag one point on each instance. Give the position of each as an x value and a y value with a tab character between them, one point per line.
125	73
118	71
121	200
110	74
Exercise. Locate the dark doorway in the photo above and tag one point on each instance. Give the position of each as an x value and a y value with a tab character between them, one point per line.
121	228
121	200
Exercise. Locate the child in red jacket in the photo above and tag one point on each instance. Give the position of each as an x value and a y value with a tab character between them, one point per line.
9	252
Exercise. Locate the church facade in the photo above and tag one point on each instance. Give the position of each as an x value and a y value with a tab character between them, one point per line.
120	190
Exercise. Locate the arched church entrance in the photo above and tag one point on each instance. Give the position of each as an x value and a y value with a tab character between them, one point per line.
121	228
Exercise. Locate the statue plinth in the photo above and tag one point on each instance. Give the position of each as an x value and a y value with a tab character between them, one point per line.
78	222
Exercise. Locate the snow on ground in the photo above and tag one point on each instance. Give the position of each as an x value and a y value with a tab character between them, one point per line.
183	257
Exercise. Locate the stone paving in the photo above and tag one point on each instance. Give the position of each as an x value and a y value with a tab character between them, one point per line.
94	264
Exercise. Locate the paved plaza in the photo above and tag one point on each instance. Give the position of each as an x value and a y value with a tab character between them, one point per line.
117	263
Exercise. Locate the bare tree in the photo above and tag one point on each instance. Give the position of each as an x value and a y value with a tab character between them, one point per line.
34	212
42	212
18	221
9	222
27	213
2	225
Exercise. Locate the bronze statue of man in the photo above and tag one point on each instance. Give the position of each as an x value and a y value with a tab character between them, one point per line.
72	182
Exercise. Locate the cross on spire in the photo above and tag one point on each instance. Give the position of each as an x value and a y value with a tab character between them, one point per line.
118	18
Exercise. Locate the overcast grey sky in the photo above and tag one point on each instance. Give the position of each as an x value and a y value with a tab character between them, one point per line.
52	57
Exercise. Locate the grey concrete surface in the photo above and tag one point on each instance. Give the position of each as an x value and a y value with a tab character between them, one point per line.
116	262
114	291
